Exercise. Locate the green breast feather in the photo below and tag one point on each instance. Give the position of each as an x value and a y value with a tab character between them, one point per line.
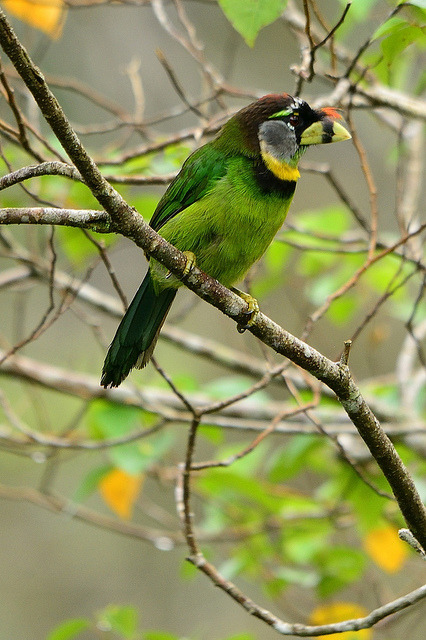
228	226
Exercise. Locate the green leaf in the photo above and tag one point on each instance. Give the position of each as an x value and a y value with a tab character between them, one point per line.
322	287
215	519
360	9
330	222
293	457
185	382
107	420
298	503
340	565
223	388
361	496
231	568
239	490
247	465
387	27
333	220
212	433
329	585
251	553
159	635
120	619
276	256
343	560
302	577
313	263
419	3
387	393
91	482
274	587
400	39
69	629
249	16
306	541
188	571
145	205
135	458
420	481
388	271
128	457
78	248
272	273
343	309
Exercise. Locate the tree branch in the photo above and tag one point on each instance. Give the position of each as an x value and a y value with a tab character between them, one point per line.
301	630
82	218
245	417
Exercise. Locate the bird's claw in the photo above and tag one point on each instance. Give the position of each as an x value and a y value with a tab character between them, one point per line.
252	311
190	263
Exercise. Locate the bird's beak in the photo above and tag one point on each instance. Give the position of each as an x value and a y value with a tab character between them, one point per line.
325	130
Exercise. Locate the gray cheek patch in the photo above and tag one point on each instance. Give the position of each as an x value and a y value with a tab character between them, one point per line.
278	139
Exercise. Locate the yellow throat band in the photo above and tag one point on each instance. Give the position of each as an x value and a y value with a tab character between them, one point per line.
281	170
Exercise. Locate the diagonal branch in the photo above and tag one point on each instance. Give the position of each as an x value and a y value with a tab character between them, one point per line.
297	629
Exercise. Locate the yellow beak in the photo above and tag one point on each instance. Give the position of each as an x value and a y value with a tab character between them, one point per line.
324	131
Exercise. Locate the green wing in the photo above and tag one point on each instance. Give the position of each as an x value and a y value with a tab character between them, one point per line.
197	177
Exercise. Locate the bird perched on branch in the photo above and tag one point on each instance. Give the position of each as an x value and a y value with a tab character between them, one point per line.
222	210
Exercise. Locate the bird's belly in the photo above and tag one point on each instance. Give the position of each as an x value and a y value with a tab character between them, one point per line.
239	238
230	256
226	243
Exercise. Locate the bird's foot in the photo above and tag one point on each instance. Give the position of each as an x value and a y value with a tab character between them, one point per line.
252	311
190	263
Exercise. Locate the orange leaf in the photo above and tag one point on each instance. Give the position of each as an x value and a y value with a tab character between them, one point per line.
120	490
46	15
385	548
338	612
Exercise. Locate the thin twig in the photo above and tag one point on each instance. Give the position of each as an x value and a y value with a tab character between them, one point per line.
23	138
284	415
354	279
330	34
372	189
173	79
110	270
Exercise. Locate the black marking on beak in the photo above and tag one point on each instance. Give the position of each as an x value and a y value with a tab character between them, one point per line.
328	132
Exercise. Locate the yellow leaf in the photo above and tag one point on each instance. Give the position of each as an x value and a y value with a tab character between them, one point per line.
385	548
46	15
120	490
338	612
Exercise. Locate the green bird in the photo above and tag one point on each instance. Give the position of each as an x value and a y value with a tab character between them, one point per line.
223	210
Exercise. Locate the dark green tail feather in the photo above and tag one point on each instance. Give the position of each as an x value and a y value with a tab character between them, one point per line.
136	332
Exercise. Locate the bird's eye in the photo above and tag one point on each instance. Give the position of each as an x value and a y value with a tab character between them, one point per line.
294	119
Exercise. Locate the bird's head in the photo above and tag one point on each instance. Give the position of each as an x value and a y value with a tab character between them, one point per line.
280	127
